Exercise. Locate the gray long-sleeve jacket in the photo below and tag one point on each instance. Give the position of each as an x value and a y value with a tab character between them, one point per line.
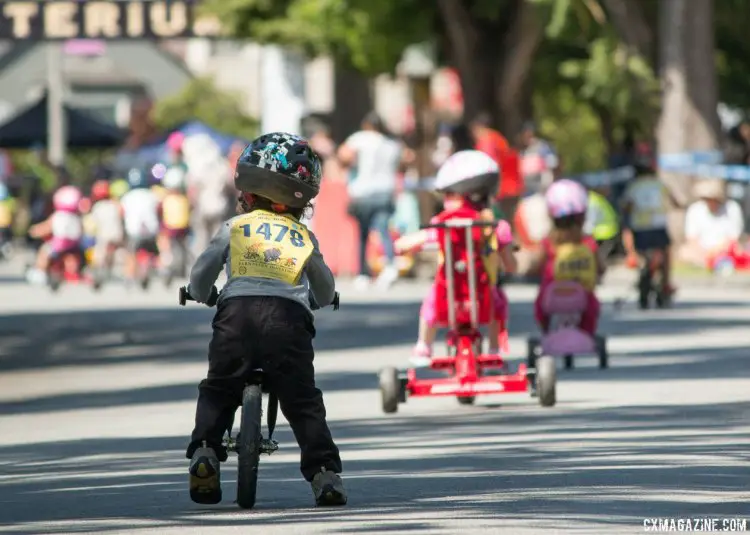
316	279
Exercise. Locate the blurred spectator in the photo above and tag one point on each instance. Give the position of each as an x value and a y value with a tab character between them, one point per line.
494	144
452	139
322	143
373	160
539	159
209	178
737	146
713	224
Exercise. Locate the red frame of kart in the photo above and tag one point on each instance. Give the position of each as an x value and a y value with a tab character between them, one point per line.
465	366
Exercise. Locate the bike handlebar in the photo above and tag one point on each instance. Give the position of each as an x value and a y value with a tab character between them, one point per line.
460	223
185	297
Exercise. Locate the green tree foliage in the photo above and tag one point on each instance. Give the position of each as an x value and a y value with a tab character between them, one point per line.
201	100
369	35
593	75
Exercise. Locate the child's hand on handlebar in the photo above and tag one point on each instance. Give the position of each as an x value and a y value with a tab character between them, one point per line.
185	295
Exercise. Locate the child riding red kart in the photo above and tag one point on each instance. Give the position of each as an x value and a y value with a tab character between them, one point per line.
464	295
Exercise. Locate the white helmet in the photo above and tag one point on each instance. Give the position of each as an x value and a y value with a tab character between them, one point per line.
174	178
469	172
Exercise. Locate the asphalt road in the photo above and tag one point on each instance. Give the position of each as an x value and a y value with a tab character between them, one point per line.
97	398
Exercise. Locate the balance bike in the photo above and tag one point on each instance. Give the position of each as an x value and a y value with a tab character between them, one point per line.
469	372
249	442
651	282
564	302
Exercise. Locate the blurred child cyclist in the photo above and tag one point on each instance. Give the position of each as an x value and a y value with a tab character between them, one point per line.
568	254
117	189
65	230
602	221
140	213
107	219
468	181
174	212
646	204
276	276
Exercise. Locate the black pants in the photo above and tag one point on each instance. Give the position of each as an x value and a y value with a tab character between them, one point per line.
273	334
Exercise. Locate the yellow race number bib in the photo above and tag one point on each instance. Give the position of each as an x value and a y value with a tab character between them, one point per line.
576	262
268	245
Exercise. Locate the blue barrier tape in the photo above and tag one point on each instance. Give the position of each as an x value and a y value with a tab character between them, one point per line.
689	159
606	177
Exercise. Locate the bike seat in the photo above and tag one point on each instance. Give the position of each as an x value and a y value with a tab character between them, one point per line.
255	377
564	297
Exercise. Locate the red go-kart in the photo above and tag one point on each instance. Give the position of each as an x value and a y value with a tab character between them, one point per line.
465	372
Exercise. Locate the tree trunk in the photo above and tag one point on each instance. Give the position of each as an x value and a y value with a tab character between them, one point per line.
632	25
515	59
689	119
607	127
493	60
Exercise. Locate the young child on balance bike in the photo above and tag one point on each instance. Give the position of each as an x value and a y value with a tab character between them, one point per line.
264	317
467	180
568	253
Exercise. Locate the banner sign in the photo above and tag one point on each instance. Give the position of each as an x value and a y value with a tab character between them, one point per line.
114	20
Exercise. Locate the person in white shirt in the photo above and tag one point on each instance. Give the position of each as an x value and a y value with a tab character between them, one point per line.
713	224
140	209
373	160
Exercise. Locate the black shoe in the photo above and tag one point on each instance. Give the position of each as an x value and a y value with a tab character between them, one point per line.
205	480
328	489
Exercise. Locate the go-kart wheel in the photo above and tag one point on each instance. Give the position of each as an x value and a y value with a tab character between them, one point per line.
466	400
546	381
568	362
601	351
390	388
54	283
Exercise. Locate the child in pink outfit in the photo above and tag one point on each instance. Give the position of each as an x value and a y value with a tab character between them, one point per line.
498	253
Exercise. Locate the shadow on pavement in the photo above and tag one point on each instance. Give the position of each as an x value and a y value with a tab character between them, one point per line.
116	336
326	381
599	467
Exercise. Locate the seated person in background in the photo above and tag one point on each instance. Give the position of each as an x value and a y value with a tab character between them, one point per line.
645	209
713	224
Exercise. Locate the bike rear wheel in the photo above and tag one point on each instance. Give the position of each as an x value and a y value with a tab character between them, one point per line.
248	446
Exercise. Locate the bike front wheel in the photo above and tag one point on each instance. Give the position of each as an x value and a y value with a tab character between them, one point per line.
248	446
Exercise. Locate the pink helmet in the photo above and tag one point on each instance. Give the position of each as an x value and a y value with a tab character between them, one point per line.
67	199
175	140
565	198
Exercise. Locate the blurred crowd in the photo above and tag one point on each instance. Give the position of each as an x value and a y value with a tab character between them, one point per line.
180	201
191	193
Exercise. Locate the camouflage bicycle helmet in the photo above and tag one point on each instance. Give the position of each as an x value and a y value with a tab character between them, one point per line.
280	167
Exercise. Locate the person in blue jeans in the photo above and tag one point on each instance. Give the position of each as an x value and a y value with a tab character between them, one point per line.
373	159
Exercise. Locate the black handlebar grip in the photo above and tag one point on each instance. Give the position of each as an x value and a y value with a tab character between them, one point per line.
184	296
